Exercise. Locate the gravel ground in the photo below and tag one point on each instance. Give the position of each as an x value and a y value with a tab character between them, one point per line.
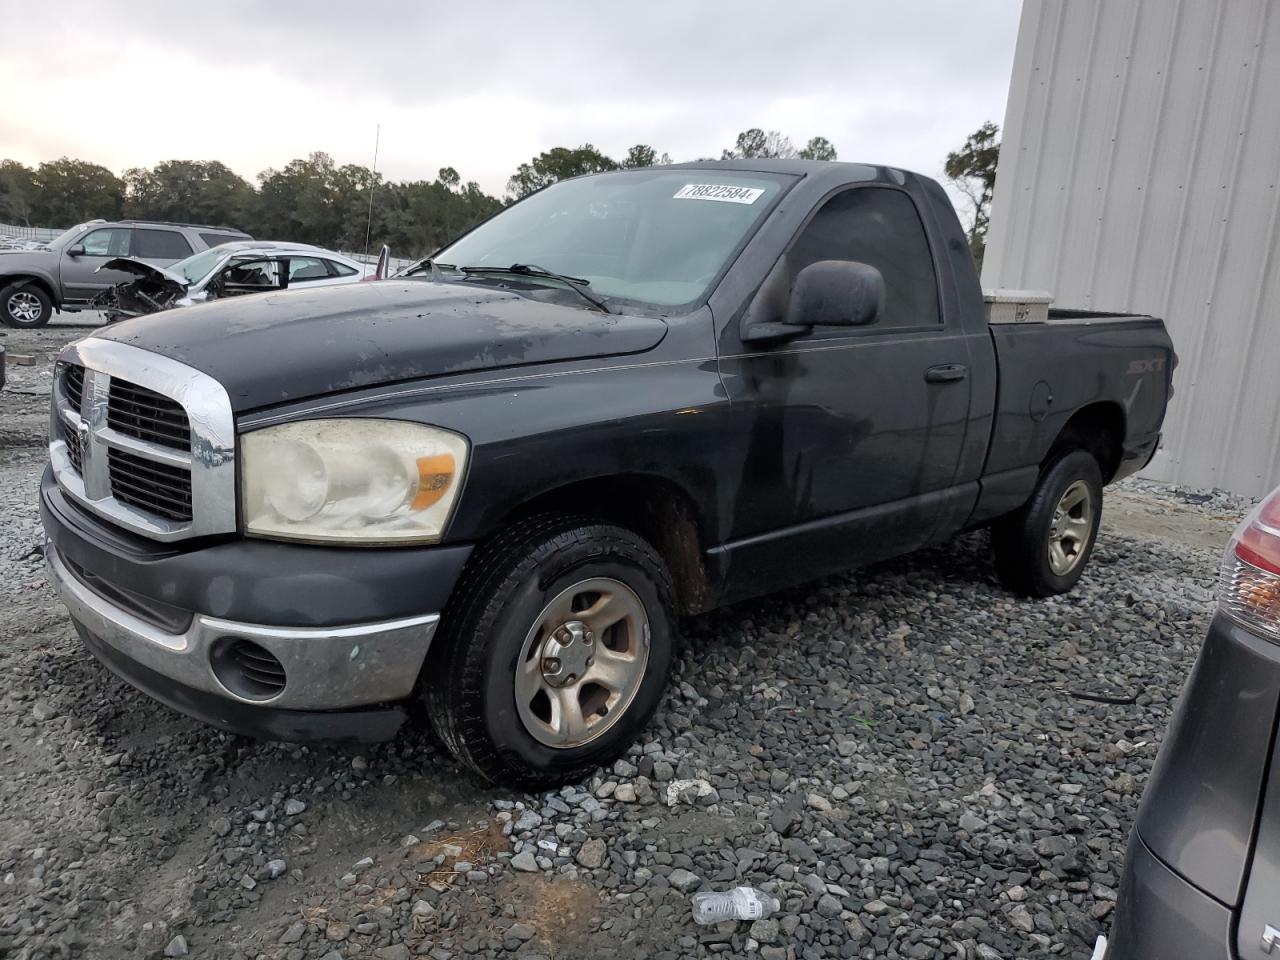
915	762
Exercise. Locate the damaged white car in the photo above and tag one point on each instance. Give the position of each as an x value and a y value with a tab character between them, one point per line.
228	270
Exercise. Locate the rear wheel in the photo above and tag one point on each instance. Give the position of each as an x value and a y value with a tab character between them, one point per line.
25	305
1042	549
555	651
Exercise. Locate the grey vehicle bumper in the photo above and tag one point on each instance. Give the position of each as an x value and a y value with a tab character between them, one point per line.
325	670
1161	915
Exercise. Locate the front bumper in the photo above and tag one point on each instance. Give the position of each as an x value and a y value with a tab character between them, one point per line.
131	604
326	669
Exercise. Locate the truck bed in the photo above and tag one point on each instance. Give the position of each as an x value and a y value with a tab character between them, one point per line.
1114	367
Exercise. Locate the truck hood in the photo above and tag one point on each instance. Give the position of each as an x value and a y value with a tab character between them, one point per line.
275	348
140	268
16	259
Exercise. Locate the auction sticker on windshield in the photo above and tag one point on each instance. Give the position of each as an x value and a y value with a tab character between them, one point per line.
717	191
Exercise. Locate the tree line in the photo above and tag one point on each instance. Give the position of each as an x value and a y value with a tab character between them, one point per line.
315	200
311	200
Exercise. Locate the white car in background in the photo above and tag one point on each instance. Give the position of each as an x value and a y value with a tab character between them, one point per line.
227	270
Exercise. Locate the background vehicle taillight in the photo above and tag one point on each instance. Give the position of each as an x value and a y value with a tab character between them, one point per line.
1249	583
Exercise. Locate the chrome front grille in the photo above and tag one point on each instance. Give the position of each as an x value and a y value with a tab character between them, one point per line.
143	441
152	486
73	380
147	415
75	447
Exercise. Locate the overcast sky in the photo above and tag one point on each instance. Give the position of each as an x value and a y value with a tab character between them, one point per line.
483	87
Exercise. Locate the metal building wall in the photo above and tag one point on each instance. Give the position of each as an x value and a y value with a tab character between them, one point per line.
1139	172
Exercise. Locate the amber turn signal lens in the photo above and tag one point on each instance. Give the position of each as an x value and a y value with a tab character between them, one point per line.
435	473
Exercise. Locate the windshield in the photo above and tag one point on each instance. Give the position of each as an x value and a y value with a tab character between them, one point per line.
656	236
197	266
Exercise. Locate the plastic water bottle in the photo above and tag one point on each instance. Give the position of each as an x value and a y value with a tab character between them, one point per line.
740	903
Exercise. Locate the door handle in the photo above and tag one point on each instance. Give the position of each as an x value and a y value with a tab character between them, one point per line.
946	373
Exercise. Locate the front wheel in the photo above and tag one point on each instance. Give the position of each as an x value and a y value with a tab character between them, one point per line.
1042	548
25	305
555	651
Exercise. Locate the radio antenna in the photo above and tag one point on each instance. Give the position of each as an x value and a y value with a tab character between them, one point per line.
368	226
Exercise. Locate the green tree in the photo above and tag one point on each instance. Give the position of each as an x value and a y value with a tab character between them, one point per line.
301	202
70	191
818	148
429	214
193	191
757	144
309	200
643	155
558	163
972	169
17	192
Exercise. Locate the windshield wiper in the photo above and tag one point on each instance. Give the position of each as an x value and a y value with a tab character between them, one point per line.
575	284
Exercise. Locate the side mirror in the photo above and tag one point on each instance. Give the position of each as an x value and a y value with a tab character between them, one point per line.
76	251
836	293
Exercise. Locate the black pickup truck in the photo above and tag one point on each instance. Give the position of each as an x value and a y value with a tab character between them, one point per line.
493	484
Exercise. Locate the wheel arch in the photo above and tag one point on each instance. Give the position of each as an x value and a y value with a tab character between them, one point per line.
654	507
1098	428
36	279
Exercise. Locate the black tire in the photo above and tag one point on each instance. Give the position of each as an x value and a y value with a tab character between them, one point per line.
1022	540
470	677
17	301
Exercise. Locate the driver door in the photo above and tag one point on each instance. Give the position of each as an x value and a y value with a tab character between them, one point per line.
78	272
852	438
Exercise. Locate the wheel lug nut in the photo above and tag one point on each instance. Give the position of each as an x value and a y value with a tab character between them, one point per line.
589	639
551	664
590	661
570	678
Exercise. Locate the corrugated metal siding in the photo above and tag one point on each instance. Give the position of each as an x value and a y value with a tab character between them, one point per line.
1139	173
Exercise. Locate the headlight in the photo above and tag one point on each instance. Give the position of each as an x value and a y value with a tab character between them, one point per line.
351	481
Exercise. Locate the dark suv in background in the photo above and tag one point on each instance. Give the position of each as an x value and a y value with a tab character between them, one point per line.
64	275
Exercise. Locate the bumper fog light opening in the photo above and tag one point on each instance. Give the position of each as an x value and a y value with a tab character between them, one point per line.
246	669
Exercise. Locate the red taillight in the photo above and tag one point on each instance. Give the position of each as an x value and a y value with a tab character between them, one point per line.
1249	584
1258	539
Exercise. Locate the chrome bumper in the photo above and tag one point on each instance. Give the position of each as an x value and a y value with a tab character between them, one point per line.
326	668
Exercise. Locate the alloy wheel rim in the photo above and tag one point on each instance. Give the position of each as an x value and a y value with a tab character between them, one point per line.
24	306
582	663
1071	528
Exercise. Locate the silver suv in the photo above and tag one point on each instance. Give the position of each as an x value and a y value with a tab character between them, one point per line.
64	274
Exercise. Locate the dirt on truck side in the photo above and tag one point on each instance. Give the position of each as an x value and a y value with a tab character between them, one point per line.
879	749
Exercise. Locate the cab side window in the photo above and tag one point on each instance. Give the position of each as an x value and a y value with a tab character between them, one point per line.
877	226
107	242
149	244
302	269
